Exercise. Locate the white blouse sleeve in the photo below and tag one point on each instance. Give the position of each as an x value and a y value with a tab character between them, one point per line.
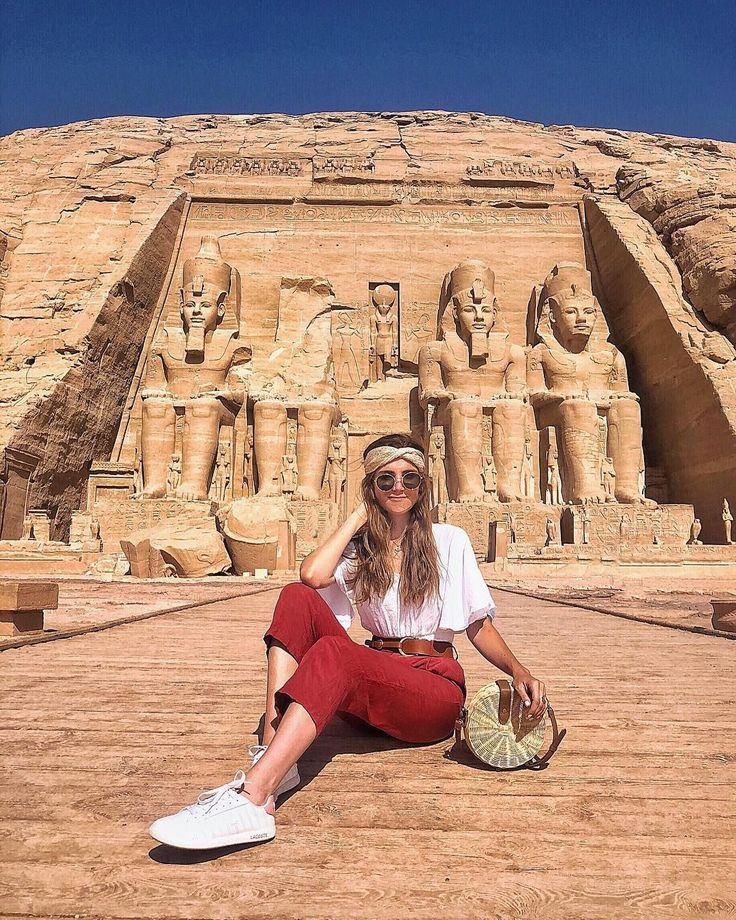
338	602
466	596
338	596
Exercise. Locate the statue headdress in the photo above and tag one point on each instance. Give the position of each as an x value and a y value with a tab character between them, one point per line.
565	278
208	269
470	275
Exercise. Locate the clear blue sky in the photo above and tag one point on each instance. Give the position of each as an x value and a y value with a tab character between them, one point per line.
651	65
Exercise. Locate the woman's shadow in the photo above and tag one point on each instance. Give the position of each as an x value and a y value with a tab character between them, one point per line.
346	734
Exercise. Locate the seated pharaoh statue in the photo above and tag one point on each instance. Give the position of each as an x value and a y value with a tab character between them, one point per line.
296	381
192	371
578	384
471	371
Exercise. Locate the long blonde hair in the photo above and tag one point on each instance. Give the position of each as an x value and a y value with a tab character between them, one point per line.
420	566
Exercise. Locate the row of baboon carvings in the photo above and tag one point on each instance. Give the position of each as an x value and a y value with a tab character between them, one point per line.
483	398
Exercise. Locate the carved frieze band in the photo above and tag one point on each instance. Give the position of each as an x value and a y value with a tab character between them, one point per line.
419	216
335	174
509	172
215	165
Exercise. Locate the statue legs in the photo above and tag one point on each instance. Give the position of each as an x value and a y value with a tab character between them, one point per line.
199	448
624	448
269	430
312	446
464	434
158	428
508	447
581	450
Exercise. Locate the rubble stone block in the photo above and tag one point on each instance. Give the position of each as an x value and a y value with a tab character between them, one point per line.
22	605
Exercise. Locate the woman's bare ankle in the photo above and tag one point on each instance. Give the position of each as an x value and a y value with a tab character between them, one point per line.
258	794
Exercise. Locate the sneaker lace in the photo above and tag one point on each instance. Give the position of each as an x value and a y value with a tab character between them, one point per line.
255	750
210	797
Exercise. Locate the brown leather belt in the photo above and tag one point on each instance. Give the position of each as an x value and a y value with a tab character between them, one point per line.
409	646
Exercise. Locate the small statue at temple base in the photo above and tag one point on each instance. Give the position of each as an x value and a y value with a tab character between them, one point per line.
474	367
727	518
288	474
576	379
695	529
174	477
337	471
437	472
553	492
192	369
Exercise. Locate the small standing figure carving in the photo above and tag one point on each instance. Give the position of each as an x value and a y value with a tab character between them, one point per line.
291	432
695	529
623	528
288	474
438	482
553	495
585	525
608	479
247	464
384	347
490	478
221	477
642	474
336	474
512	527
727	518
347	346
172	480
527	471
137	473
551	533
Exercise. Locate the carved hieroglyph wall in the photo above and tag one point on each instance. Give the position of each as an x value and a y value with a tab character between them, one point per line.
98	219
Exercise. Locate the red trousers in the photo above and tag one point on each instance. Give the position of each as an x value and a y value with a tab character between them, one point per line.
412	698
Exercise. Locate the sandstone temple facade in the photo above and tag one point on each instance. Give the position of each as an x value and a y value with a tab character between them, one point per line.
206	319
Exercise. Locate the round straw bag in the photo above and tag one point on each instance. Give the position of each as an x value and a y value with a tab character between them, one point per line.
495	727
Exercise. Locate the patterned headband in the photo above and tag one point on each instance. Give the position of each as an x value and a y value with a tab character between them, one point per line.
380	456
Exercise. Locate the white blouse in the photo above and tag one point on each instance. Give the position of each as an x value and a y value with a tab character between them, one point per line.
464	596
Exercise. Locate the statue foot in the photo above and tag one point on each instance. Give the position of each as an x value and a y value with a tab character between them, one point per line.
152	492
634	498
509	495
269	492
191	494
306	494
470	497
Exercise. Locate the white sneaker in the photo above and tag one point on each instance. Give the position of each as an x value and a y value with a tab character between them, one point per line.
290	781
219	818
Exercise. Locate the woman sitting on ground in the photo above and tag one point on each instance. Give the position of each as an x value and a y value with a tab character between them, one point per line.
414	584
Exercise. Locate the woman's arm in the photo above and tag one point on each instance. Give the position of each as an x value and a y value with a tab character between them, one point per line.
489	642
318	567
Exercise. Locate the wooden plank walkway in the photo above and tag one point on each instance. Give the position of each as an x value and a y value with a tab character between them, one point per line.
102	733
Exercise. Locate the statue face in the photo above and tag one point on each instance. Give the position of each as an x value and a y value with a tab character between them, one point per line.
474	316
201	311
573	317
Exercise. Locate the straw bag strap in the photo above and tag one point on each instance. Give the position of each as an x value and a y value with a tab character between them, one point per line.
539	761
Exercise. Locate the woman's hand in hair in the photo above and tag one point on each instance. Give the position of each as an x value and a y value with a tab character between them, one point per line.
317	569
359	516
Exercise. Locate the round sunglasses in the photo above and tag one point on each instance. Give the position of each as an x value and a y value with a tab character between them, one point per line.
386	481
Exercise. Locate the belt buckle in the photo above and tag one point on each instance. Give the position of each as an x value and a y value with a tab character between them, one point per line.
401	646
